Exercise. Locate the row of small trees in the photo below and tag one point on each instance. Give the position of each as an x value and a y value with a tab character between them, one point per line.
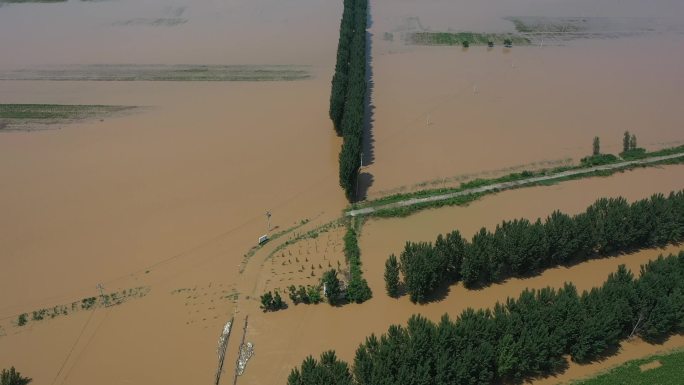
306	295
519	339
272	302
629	143
357	288
333	291
347	98
521	247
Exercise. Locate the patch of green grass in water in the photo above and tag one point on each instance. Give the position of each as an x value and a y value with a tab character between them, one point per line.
457	38
135	72
669	373
56	111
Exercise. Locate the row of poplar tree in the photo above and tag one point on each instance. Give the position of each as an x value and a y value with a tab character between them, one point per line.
519	339
521	247
347	98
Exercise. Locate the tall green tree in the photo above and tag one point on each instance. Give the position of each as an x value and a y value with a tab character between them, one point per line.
331	287
626	142
329	371
596	146
392	276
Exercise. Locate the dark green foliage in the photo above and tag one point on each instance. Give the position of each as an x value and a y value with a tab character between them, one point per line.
425	267
629	148
357	289
347	98
272	302
332	288
22	319
465	44
520	247
88	303
12	377
626	141
598	159
422	270
457	38
392	276
314	294
634	153
306	295
522	338
596	147
329	371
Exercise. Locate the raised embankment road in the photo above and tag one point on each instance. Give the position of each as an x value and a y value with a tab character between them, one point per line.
509	185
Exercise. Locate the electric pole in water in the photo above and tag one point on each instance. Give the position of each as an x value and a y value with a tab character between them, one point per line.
101	288
357	176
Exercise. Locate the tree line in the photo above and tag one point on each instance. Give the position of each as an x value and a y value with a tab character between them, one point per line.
521	247
357	288
518	339
347	97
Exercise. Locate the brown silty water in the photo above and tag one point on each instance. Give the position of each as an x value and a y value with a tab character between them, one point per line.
169	198
467	111
173	197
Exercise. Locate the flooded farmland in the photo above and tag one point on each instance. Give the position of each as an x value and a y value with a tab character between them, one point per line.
231	121
464	111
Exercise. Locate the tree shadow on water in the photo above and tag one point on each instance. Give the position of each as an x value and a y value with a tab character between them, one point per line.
365	180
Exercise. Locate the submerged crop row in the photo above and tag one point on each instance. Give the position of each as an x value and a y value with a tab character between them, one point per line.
34	116
153	72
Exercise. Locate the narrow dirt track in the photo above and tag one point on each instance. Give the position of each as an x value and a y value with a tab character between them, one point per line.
509	185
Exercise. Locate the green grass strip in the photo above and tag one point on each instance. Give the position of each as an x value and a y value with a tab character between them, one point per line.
670	372
457	38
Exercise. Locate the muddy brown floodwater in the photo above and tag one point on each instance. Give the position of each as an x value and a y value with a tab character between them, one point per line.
172	198
464	111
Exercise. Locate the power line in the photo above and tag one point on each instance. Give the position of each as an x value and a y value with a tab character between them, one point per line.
73	347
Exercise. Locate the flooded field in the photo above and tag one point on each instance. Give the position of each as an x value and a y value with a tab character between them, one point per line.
170	198
173	197
461	111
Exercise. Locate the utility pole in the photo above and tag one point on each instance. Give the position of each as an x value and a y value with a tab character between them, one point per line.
357	176
268	220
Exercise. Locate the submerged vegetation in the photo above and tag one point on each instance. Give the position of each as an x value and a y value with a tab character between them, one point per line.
28	116
466	38
520	247
110	299
145	72
348	94
518	339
